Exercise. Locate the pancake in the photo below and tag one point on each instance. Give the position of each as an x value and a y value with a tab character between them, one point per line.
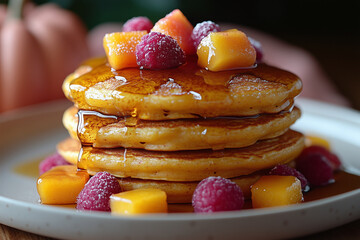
192	165
181	192
187	91
85	67
173	135
69	149
177	192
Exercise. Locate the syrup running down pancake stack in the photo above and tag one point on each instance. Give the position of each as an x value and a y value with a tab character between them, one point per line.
169	129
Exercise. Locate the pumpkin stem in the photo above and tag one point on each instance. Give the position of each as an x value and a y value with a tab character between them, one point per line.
15	9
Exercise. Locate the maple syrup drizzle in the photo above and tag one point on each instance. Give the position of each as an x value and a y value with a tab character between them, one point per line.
125	151
89	123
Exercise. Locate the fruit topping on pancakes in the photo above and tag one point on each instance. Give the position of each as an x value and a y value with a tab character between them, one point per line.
203	29
177	26
226	50
258	48
159	51
120	48
137	24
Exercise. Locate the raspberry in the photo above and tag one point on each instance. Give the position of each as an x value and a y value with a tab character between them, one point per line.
137	24
332	158
285	170
316	168
215	194
52	161
203	29
95	196
258	48
159	51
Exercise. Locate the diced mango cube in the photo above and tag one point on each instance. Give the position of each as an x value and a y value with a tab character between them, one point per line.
271	191
120	48
316	140
139	201
226	50
61	184
176	25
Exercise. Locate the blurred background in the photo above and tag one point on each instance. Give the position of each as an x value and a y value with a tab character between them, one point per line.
329	30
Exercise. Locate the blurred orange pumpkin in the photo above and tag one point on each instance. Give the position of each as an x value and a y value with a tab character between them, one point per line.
39	46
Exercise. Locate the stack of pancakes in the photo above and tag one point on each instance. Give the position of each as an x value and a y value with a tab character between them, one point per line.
169	129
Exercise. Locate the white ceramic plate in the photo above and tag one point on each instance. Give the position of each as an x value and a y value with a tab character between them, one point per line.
34	132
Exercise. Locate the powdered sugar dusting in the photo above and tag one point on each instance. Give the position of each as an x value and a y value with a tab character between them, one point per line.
170	88
247	82
127	46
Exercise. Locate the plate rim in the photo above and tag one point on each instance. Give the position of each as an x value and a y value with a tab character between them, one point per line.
160	216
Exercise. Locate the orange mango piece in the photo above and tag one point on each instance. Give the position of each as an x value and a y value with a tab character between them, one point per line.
176	25
226	50
139	201
61	184
315	140
120	48
271	191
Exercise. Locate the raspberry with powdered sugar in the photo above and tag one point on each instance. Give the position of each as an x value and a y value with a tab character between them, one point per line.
159	51
96	194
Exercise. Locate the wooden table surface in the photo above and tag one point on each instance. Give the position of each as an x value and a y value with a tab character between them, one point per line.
346	232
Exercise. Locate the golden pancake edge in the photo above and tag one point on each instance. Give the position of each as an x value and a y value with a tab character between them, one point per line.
192	165
174	135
